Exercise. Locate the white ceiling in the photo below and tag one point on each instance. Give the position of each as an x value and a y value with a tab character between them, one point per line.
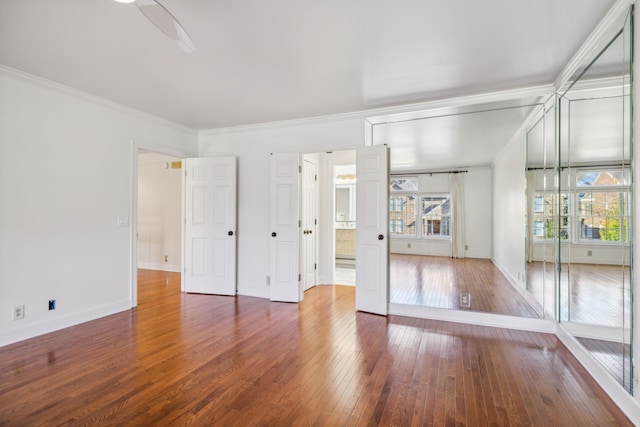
262	61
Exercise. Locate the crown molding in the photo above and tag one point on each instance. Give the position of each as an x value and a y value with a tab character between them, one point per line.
593	43
49	84
376	114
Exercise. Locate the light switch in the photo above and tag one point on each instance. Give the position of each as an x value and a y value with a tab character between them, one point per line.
123	221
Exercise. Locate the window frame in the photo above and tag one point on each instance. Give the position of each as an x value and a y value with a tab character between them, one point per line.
421	217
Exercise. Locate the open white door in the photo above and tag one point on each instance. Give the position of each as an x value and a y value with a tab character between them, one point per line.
210	226
284	249
372	226
309	223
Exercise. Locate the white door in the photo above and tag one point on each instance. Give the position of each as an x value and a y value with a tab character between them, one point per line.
284	249
372	226
210	226
309	223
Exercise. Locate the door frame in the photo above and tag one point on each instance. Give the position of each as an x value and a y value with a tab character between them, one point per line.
310	158
136	146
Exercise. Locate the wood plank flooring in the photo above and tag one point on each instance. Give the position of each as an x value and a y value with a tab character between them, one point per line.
595	294
613	356
183	359
435	281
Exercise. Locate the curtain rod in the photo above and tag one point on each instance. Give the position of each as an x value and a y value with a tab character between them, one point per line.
425	173
583	166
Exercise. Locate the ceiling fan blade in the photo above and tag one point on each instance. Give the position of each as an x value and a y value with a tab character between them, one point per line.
164	20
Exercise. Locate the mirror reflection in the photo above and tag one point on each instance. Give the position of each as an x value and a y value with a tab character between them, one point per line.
456	211
594	193
523	207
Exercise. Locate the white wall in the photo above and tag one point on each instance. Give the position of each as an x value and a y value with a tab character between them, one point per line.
509	209
65	178
159	213
252	146
478	215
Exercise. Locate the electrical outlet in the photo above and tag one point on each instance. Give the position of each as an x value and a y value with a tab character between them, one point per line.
589	252
268	280
409	245
52	304
466	247
18	312
465	300
166	258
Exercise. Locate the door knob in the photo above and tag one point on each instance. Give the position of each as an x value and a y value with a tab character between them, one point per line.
230	233
274	234
380	237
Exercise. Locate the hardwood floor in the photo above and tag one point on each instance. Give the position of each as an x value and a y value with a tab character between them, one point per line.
595	294
613	356
436	281
184	359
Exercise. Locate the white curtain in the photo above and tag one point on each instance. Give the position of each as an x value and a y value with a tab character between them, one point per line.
531	194
456	187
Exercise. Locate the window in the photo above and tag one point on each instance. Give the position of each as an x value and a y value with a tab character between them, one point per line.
404	184
603	215
538	203
402	213
436	215
597	210
603	208
545	219
538	228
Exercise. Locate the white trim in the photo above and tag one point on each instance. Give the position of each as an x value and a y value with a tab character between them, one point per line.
593	43
172	268
410	112
50	325
372	115
598	332
12	72
627	403
474	317
136	146
518	287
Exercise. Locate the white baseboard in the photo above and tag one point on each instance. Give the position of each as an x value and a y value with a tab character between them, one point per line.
627	403
474	317
58	322
160	267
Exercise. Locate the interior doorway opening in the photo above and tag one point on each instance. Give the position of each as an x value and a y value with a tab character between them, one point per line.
344	224
158	225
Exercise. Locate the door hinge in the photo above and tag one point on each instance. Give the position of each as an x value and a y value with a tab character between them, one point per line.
299	168
299	277
315	266
315	222
315	177
299	223
185	172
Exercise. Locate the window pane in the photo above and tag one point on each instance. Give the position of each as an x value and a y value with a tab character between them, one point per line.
603	215
402	214
600	178
545	216
404	184
436	212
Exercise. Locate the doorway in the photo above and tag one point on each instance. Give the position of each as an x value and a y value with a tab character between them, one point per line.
158	225
344	224
138	149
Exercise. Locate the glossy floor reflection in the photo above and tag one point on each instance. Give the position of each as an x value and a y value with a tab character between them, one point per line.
441	282
193	359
